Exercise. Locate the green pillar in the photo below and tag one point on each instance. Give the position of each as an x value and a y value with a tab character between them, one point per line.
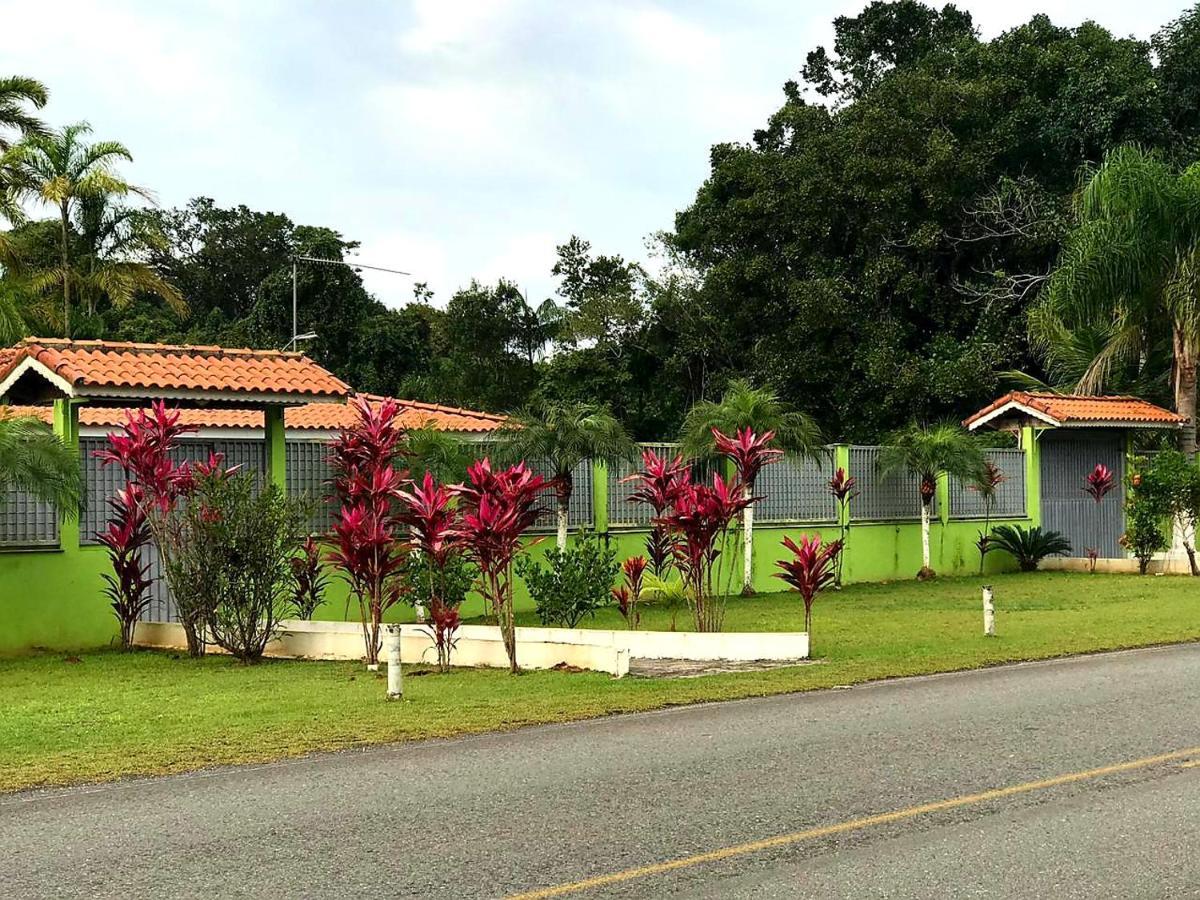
276	447
600	496
1033	475
66	426
943	497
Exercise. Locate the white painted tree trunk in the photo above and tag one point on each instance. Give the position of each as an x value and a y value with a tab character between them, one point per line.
989	612
563	509
925	537
395	682
748	547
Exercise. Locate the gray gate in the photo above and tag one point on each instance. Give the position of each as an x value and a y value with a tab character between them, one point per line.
1067	457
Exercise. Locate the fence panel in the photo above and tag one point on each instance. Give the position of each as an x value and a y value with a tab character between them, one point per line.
579	509
26	521
1009	503
308	475
622	512
893	497
796	490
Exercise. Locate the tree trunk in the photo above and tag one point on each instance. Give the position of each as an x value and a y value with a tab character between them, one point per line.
1185	391
564	507
747	547
66	269
926	571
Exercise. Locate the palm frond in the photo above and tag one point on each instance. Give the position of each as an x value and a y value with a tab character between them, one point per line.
33	459
745	406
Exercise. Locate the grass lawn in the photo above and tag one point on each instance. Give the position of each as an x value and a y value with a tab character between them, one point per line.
106	715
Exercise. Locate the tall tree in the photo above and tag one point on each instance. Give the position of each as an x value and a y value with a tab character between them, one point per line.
1131	268
17	93
61	169
928	453
562	435
744	406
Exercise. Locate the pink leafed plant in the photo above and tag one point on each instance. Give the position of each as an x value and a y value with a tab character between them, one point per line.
659	483
844	489
498	507
810	569
126	535
986	485
630	594
1097	485
749	453
369	549
699	521
433	528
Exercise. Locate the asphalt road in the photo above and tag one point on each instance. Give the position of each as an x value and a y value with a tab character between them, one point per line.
500	814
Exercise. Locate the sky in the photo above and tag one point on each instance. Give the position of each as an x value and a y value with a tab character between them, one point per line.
455	139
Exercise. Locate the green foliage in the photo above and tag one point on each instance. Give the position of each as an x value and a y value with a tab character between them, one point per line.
234	553
451	584
33	459
928	451
1028	546
574	583
1159	489
743	405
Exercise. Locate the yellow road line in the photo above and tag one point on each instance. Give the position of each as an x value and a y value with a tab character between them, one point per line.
797	837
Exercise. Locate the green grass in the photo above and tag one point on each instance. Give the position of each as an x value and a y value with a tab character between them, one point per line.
109	714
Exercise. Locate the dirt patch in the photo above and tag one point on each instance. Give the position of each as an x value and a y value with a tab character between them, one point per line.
690	668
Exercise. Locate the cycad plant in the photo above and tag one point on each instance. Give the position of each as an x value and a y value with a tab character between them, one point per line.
1131	268
34	460
928	452
744	406
563	434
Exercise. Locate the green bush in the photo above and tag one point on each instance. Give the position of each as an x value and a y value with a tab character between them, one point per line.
1145	531
1028	546
1164	487
574	582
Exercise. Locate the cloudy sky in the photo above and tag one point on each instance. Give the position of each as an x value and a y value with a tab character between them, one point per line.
453	138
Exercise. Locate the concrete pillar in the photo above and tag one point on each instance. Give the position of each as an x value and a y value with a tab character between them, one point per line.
66	426
600	496
1033	475
276	447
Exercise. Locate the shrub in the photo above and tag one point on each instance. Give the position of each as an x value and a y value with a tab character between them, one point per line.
497	508
1028	546
1145	515
1170	483
309	579
236	555
574	583
844	489
127	534
812	566
630	593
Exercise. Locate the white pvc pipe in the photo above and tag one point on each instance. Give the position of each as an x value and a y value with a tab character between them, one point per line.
395	678
989	612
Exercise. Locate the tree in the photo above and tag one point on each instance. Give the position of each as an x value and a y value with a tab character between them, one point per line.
34	460
17	93
930	453
760	410
1133	260
604	303
811	567
59	168
563	435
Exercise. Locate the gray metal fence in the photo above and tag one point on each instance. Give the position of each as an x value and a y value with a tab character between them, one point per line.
796	490
26	521
1067	457
580	512
1009	502
892	497
308	475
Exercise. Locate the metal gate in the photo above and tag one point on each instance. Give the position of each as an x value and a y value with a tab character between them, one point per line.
1067	457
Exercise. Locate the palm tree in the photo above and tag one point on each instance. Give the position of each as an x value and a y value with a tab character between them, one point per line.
929	452
1133	260
564	434
16	93
745	406
33	459
61	170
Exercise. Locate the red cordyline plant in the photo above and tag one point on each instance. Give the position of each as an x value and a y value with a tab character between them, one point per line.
660	482
432	522
812	566
369	550
844	489
125	537
309	579
142	448
986	484
699	521
1098	483
497	508
629	594
749	453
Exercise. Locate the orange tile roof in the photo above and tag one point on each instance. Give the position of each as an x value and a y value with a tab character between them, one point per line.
97	368
1079	409
309	417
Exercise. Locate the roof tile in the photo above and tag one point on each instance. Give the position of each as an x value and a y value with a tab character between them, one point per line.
1079	408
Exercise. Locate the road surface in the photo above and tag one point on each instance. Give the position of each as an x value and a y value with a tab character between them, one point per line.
1076	778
